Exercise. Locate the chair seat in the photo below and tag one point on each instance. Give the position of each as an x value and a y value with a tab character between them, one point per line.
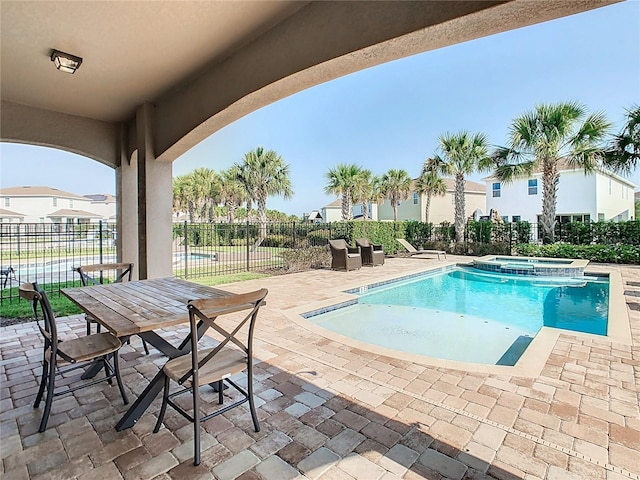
89	347
225	363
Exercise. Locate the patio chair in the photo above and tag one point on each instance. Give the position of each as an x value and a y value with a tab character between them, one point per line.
372	254
78	352
344	257
413	251
233	355
100	273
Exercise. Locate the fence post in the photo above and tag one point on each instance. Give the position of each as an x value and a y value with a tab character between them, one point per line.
293	235
248	249
186	247
100	245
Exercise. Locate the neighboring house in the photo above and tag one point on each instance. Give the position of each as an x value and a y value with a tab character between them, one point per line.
600	195
49	205
103	204
442	209
332	212
313	217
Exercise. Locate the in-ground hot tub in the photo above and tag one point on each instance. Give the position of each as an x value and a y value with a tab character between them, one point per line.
539	266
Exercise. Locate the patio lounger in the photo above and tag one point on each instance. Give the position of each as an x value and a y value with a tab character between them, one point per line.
413	251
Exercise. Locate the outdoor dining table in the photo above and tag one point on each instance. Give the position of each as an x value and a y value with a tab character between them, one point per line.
141	308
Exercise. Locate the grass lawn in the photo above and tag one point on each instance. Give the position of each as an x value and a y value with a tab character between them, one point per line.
62	306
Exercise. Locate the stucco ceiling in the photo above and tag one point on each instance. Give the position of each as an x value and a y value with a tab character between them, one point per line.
202	64
132	50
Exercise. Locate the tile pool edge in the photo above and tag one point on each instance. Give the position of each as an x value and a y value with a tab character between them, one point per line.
530	364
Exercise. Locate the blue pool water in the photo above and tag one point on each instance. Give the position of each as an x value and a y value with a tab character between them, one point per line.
469	316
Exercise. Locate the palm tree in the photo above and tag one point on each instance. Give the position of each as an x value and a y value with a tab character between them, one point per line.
342	181
264	173
462	154
430	184
396	186
623	155
539	139
366	190
182	199
232	192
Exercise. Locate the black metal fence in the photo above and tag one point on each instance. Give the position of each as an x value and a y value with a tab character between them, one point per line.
48	253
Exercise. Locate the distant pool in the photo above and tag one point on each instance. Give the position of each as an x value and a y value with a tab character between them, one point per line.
468	316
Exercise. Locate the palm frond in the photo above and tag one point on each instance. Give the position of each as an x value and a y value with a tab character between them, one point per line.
509	172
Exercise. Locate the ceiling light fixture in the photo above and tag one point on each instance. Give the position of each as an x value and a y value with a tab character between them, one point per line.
65	62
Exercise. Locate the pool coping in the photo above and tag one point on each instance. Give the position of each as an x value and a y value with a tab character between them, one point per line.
530	363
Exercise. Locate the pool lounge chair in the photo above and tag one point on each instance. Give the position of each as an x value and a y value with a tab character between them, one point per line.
413	251
344	257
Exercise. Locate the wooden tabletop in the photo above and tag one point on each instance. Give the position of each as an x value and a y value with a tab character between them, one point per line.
129	308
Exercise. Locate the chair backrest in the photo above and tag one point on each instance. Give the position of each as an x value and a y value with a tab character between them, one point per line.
105	272
410	248
339	244
207	310
41	311
363	242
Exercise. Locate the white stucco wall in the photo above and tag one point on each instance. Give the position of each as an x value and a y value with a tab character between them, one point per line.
578	194
331	214
37	208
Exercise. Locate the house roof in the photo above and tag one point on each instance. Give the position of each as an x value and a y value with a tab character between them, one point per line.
72	213
101	197
335	203
637	195
469	185
38	191
8	213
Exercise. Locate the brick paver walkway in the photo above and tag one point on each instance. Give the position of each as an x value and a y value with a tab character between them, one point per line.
329	410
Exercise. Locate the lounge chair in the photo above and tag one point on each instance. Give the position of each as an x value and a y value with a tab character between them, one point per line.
372	254
413	251
344	257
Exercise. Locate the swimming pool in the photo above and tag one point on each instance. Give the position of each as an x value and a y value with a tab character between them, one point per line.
462	315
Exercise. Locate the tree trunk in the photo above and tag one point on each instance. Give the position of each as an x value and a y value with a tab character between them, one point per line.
394	204
262	216
346	206
365	210
460	208
427	205
549	198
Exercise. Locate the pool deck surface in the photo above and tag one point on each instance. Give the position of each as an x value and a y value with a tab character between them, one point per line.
331	409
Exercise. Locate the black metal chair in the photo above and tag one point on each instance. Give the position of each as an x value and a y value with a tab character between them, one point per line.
78	352
372	254
343	256
100	273
233	355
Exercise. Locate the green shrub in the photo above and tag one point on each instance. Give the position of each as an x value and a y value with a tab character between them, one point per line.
319	237
629	254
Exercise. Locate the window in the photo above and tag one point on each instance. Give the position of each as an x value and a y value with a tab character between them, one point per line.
55	202
601	217
516	218
70	203
580	217
533	186
415	198
7	202
496	189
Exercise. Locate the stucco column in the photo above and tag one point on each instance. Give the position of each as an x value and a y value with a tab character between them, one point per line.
154	202
127	206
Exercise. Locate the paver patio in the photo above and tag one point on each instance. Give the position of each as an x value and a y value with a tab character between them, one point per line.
330	410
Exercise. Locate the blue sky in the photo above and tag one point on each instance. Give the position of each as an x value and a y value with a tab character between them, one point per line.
391	116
